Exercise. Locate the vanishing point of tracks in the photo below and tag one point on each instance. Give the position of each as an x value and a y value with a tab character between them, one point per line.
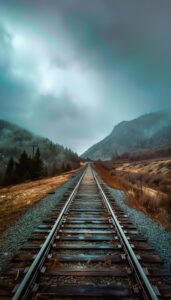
88	249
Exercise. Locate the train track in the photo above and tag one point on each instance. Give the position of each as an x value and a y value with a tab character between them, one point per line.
88	249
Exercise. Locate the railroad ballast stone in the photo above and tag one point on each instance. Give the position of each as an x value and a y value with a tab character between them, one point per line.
15	236
158	237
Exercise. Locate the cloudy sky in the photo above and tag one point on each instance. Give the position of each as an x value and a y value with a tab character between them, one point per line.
72	69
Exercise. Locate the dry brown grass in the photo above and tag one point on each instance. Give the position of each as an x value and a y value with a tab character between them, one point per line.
15	200
139	195
112	180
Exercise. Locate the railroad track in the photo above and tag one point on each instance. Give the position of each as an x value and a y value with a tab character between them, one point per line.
88	249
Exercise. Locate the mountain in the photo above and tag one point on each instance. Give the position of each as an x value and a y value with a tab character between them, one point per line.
14	140
149	131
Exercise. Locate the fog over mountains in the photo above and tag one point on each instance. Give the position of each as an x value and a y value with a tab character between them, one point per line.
150	131
14	140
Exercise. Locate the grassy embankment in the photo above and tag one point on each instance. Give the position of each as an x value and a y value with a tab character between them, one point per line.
147	185
16	199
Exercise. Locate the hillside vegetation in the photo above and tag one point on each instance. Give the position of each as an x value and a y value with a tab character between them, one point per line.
146	183
17	199
14	140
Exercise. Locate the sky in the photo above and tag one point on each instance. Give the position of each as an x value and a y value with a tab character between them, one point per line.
72	69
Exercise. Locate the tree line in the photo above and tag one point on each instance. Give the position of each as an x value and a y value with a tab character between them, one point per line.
27	167
30	168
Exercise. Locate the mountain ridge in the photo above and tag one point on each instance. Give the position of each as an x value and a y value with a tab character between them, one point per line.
152	130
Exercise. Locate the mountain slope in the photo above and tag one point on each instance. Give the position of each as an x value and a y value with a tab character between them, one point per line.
149	131
14	140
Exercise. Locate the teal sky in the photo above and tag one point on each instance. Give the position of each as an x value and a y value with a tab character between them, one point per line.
72	69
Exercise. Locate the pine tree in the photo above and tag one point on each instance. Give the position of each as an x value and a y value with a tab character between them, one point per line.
68	167
37	165
63	168
54	170
9	174
23	167
26	168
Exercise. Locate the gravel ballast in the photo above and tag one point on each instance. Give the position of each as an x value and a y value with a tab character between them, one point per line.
16	235
158	237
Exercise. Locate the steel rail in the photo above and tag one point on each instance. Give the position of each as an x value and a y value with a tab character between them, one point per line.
25	285
143	280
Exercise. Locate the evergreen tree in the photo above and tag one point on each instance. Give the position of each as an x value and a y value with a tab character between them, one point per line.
26	168
68	167
23	167
37	165
54	170
45	171
10	171
63	168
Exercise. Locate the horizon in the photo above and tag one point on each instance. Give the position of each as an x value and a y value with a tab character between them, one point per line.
71	71
96	142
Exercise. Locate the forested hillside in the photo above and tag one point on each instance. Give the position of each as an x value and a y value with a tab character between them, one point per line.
14	141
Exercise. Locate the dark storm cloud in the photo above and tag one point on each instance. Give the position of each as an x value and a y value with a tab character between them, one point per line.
126	45
131	35
13	92
56	117
59	117
5	48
